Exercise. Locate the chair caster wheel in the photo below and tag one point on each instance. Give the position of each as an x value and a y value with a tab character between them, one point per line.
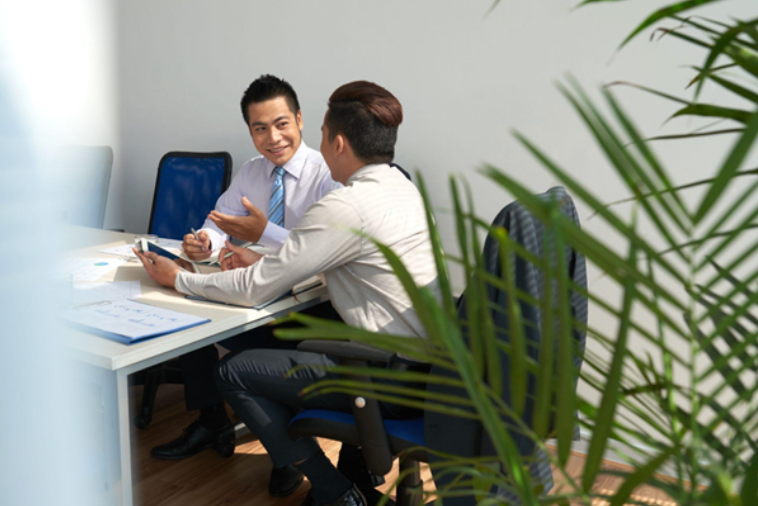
142	421
226	450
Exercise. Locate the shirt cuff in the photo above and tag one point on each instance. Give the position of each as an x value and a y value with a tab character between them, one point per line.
217	241
273	235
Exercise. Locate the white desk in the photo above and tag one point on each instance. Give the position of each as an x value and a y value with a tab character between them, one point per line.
116	361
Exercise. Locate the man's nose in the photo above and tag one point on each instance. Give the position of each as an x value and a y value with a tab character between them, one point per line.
275	136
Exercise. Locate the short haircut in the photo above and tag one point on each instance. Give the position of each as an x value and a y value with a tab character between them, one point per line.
266	88
368	116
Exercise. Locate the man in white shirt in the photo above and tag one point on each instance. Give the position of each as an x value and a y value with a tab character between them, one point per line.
284	181
358	139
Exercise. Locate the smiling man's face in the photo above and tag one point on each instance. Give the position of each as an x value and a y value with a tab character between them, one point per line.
275	129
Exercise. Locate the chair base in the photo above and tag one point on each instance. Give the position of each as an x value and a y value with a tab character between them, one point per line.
410	490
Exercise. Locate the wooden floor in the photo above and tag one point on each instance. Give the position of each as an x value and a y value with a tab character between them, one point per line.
209	480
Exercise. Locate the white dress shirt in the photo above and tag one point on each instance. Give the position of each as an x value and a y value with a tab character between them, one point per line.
378	202
305	181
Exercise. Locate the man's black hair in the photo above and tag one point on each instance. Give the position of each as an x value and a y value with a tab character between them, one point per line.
368	116
265	88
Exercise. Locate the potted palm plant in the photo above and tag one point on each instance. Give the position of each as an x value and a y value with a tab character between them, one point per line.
683	394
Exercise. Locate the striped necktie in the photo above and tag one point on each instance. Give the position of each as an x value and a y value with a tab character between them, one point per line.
276	204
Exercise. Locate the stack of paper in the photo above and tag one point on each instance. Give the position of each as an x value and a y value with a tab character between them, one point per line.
130	321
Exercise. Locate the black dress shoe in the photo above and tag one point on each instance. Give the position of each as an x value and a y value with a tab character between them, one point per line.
352	497
284	481
196	438
373	496
308	501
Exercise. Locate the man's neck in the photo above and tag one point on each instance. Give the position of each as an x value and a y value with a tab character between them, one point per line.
348	171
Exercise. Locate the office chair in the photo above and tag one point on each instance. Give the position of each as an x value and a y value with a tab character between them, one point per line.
383	440
85	175
380	440
186	190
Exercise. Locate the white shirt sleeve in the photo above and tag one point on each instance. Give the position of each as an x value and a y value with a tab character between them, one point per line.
273	235
230	202
324	239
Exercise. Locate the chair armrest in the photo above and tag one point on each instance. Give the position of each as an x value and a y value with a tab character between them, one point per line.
347	350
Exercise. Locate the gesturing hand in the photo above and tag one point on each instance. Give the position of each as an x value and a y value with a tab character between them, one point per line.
242	257
248	228
161	270
197	250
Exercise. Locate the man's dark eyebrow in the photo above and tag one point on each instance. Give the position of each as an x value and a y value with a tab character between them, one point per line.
277	120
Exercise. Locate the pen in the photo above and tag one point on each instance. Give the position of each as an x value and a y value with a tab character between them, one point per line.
243	245
194	232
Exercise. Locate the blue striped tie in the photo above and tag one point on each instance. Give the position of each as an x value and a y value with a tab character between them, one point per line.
276	204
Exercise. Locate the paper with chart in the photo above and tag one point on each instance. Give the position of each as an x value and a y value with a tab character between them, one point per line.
91	293
130	321
89	269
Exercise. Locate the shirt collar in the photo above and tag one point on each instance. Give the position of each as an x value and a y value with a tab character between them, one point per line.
295	165
365	171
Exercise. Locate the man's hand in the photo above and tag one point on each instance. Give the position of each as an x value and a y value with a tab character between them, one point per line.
248	228
197	250
161	270
241	258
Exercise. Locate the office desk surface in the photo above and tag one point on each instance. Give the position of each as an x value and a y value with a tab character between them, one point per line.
225	320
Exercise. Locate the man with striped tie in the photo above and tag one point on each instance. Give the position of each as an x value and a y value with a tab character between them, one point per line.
359	133
284	181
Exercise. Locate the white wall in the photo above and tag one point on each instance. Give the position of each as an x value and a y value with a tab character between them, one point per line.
465	81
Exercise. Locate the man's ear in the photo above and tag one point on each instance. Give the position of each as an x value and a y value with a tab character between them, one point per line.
340	144
299	119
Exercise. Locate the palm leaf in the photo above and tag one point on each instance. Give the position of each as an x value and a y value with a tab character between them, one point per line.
735	88
693	135
665	12
729	168
629	169
720	46
566	389
749	492
714	111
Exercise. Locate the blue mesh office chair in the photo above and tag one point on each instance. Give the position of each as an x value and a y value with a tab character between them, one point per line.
186	190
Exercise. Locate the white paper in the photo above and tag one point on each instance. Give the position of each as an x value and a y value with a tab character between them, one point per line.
89	269
99	292
131	319
170	244
126	250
